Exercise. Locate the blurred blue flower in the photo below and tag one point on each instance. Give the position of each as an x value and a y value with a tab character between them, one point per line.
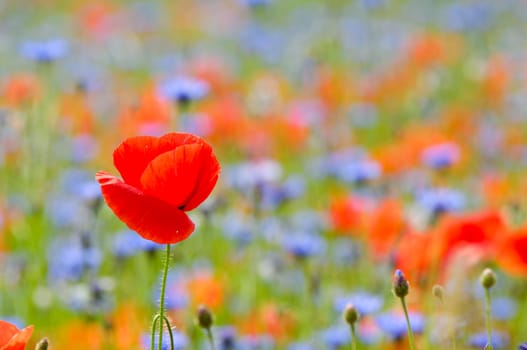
336	336
300	346
272	195
479	340
237	228
503	308
441	155
128	243
183	89
522	346
44	51
468	16
440	200
365	303
303	245
225	338
393	324
69	259
180	341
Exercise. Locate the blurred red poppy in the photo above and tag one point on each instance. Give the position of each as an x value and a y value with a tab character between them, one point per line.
163	178
12	338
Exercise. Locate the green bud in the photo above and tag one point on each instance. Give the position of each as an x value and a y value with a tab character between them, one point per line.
438	291
351	315
487	278
204	317
42	344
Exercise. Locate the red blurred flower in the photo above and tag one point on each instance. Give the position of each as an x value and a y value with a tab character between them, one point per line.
12	338
163	178
511	252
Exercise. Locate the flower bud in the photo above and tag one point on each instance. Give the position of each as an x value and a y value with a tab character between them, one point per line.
438	291
204	317
351	315
487	278
400	284
42	344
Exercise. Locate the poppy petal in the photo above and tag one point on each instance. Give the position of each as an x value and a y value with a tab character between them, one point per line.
150	217
19	341
207	178
7	331
133	155
172	176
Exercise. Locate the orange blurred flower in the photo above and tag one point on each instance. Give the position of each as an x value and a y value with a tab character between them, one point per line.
348	214
206	289
79	335
384	226
21	88
269	319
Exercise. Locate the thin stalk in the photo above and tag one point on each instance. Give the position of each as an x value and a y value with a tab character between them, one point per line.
211	339
162	298
353	337
410	333
487	319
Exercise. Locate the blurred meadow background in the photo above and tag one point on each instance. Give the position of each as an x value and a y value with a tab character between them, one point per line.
355	138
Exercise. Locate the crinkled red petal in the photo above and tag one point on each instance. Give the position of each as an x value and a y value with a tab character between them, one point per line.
132	156
150	217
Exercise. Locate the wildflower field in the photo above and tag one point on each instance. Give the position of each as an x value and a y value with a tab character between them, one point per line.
263	174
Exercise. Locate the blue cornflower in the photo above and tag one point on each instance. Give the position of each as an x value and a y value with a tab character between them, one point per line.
366	303
468	16
44	51
440	200
68	259
440	156
128	243
176	296
359	171
303	245
479	340
300	346
503	308
180	341
237	228
336	336
522	346
184	90
272	195
225	338
393	324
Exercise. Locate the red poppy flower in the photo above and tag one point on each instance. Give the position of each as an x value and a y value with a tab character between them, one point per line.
162	179
12	338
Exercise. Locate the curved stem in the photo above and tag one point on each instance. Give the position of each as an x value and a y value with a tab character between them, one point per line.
154	327
487	319
410	333
162	298
170	333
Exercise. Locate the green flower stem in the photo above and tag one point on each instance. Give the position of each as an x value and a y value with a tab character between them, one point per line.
410	333
170	333
162	299
211	339
487	319
353	337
